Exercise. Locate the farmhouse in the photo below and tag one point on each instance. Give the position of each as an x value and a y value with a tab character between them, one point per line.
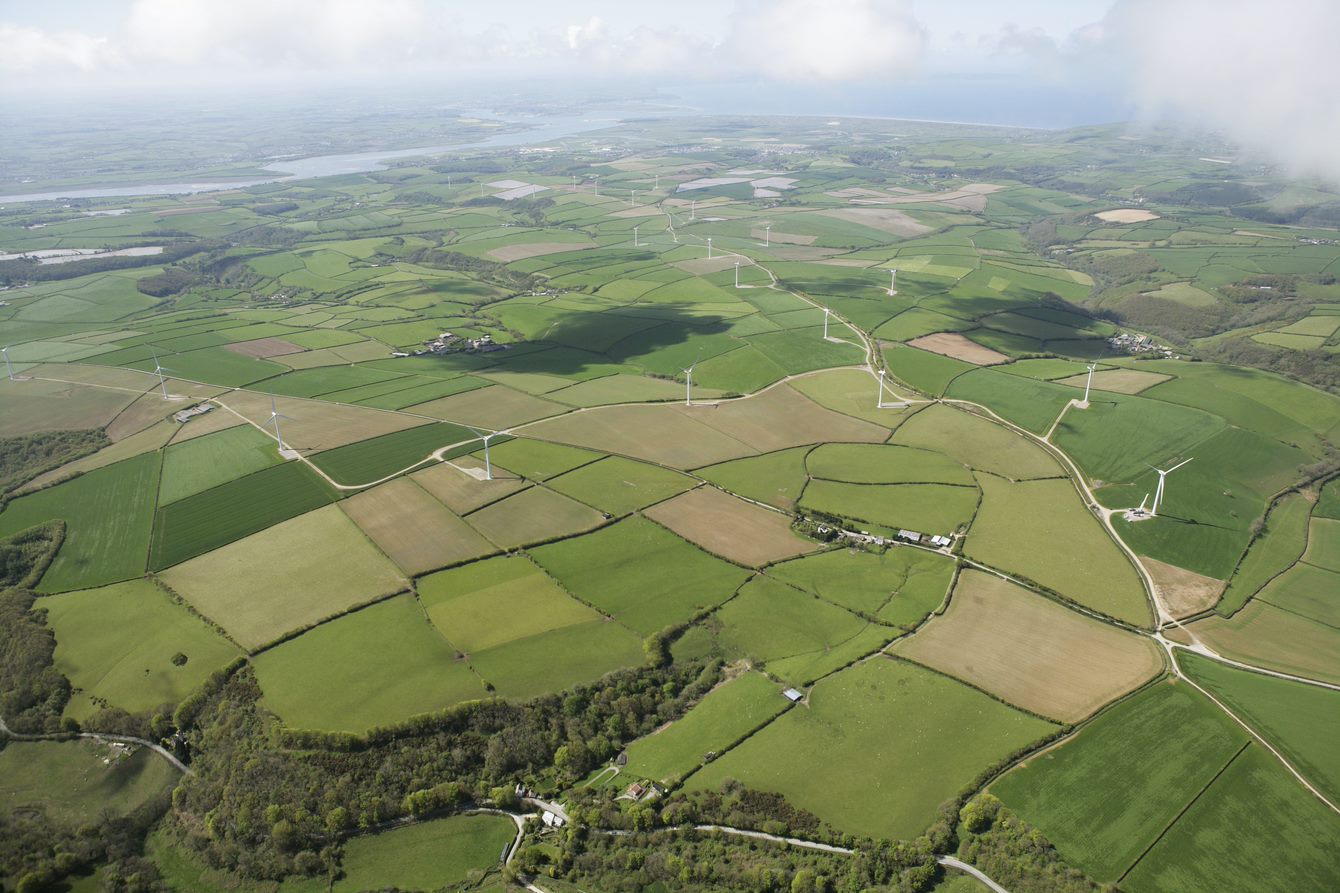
910	535
552	820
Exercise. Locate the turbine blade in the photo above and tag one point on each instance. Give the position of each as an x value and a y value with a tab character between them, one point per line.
1178	465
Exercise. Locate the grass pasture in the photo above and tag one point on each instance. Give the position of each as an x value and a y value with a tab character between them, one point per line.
610	569
117	644
1307	591
371	460
532	516
205	462
617	486
298	572
558	659
932	508
29	407
900	586
725	525
374	667
425	855
775	478
1041	530
108	514
977	443
895	720
1323	544
218	516
69	781
416	531
539	460
862	463
1278	546
1105	795
1029	651
1266	636
724	716
1226	841
1302	721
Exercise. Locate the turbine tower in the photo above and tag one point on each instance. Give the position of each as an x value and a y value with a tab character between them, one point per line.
158	370
826	312
274	418
1158	491
488	464
1084	404
632	197
737	274
767	235
709	247
893	282
9	370
693	209
688	385
595	185
635	242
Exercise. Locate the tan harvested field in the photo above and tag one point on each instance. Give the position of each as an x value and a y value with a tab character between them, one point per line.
509	253
408	524
143	413
952	344
314	424
1264	635
1029	651
778	418
147	440
533	516
654	433
886	220
719	261
1119	381
494	407
462	492
1126	215
217	420
27	407
1184	592
286	578
730	527
264	347
783	238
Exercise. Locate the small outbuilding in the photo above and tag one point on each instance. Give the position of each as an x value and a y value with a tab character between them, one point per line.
792	694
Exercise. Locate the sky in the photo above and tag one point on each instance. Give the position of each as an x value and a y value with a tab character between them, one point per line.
1262	72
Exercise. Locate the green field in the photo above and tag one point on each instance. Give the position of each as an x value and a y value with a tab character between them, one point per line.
1041	531
977	443
427	855
559	659
723	717
927	372
1302	721
871	463
69	781
1026	402
894	720
1105	795
609	569
205	462
378	457
900	586
539	460
930	508
617	486
374	667
118	644
1279	546
108	514
775	478
218	516
1228	840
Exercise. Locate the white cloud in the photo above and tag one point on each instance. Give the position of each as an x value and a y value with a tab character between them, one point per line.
836	40
29	49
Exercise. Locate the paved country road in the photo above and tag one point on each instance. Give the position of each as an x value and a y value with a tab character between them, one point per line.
99	736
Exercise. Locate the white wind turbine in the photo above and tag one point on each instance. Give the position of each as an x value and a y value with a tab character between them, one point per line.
826	312
159	370
1084	404
688	385
883	386
275	416
635	242
709	247
595	185
737	274
1158	491
893	282
9	370
488	465
693	209
767	235
632	197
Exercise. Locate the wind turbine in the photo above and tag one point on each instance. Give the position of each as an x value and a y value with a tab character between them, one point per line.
9	370
826	312
632	197
893	282
693	209
635	243
737	274
595	186
688	386
767	235
657	184
709	247
1084	404
574	182
158	370
488	465
274	418
1158	491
